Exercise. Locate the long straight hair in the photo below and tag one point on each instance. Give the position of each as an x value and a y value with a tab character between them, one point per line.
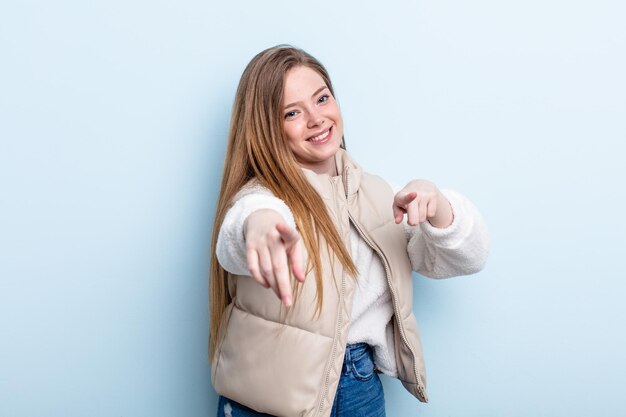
257	148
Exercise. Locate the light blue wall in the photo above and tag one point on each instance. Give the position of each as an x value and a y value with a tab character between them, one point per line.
113	117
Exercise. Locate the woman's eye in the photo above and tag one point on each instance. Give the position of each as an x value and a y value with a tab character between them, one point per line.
290	114
323	98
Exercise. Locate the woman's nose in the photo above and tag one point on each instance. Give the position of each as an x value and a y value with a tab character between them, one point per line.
315	119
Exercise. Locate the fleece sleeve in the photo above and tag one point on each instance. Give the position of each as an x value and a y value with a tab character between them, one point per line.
231	246
459	249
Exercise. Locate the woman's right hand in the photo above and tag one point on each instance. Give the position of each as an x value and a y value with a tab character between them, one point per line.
273	249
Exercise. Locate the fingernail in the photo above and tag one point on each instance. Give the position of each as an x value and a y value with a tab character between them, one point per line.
287	301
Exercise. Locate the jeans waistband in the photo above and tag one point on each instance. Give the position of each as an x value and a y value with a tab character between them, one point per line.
356	352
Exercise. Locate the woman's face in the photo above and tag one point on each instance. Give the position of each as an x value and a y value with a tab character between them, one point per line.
312	120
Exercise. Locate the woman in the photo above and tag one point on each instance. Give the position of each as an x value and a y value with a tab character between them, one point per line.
311	286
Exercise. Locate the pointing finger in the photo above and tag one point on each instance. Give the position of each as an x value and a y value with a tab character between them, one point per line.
288	234
404	199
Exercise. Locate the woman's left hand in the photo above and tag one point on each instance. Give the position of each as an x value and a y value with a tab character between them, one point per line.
421	200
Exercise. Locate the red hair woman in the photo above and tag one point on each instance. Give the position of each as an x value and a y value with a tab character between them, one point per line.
312	260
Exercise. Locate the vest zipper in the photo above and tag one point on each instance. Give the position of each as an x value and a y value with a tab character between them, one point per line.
420	386
337	328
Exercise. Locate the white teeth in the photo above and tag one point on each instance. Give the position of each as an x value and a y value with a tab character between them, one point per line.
320	137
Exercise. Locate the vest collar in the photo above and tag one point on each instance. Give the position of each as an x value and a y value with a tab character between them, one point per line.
348	170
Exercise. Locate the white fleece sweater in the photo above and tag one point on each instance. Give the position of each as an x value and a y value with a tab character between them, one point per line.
459	249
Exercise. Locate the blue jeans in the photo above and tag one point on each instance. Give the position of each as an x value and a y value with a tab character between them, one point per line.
359	394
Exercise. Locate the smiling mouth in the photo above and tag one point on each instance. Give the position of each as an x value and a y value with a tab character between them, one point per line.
322	137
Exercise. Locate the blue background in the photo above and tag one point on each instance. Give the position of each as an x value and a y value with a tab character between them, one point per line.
113	121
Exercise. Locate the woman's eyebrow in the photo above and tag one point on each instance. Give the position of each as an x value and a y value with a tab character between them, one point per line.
312	95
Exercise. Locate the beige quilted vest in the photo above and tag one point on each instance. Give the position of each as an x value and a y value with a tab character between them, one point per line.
289	364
